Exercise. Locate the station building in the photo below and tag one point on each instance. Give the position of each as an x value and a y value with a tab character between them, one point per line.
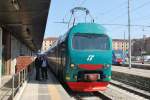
141	46
22	27
120	44
47	42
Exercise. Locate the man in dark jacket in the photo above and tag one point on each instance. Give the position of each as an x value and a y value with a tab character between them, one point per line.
44	67
38	63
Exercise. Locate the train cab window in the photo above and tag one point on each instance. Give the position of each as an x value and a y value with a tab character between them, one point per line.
90	42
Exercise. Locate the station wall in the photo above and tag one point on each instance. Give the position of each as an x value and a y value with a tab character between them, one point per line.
0	53
10	49
18	49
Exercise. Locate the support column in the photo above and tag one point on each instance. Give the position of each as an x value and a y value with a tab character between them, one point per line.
14	53
8	55
0	54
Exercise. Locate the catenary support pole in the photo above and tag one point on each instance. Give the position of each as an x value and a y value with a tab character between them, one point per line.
129	51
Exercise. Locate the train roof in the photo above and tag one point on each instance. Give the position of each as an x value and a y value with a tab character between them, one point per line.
83	28
80	28
88	28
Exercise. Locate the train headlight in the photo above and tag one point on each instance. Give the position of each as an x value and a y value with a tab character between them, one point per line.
72	65
106	66
67	77
75	77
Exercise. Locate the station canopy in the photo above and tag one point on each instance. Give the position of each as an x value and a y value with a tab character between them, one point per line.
25	19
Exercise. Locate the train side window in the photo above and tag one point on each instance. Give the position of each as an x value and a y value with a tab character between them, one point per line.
63	46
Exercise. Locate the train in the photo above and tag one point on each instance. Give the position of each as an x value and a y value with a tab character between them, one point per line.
118	57
82	58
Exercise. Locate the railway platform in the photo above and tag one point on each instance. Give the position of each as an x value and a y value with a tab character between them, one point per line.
132	71
138	65
139	78
49	89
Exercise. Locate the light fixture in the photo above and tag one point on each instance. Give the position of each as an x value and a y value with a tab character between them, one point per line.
15	3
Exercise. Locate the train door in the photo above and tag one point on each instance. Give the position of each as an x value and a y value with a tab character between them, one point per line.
63	60
56	69
57	61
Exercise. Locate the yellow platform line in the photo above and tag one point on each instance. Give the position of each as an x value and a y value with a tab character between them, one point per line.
54	94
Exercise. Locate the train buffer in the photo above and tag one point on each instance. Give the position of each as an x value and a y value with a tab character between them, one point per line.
49	89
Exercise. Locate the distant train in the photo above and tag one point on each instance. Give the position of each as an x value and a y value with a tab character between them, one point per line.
118	58
82	57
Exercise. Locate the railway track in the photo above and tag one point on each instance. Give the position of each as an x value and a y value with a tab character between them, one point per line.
113	92
131	89
91	96
116	93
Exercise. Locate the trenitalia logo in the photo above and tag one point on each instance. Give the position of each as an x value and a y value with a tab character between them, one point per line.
90	57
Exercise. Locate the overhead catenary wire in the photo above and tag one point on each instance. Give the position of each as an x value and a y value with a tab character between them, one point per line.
109	11
132	25
68	11
64	19
82	2
125	26
122	25
141	6
132	10
113	9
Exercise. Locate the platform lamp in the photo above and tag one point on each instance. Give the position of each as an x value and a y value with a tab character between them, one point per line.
15	4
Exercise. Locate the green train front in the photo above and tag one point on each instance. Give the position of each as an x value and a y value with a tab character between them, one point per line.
89	58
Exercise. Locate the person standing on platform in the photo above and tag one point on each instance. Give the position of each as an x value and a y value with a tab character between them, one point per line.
38	63
44	68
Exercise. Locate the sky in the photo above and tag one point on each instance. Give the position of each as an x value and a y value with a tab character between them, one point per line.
104	12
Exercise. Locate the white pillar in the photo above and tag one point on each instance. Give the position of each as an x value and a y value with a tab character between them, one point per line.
14	54
1	53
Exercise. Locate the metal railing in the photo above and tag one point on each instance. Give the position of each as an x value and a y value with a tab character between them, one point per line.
10	89
17	81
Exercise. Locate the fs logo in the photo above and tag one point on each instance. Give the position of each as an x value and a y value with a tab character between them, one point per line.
90	58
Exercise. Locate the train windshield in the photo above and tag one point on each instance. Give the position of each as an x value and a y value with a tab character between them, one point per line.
90	42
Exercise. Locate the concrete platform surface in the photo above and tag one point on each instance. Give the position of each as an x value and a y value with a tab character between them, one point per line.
132	71
49	89
6	87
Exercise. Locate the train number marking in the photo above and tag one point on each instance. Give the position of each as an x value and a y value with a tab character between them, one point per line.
90	58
